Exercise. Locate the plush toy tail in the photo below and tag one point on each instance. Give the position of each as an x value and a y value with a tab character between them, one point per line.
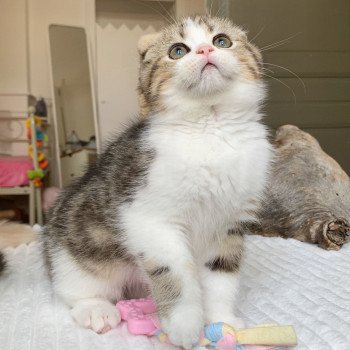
268	335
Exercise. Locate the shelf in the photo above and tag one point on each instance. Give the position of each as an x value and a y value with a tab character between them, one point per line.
17	118
14	190
12	118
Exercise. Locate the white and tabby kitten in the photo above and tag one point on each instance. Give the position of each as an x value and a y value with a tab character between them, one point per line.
165	204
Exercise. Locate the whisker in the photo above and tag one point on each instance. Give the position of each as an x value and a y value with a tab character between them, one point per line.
217	12
287	86
220	9
282	41
269	70
274	46
143	3
278	43
291	72
256	35
167	12
211	6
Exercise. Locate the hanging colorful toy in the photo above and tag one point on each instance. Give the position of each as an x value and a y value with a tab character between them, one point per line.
37	174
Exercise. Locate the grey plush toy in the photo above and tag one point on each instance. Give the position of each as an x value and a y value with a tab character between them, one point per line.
308	197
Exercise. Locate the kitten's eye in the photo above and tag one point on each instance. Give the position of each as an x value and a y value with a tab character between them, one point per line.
178	51
222	41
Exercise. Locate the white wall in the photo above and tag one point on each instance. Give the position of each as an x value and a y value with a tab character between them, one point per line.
118	31
13	53
24	60
13	73
24	55
41	13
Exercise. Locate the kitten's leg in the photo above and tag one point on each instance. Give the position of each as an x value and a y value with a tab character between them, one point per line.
167	260
89	295
220	280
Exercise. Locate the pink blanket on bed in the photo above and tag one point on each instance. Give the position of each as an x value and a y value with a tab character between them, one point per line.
13	171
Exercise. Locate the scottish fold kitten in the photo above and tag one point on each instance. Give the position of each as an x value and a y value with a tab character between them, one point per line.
164	207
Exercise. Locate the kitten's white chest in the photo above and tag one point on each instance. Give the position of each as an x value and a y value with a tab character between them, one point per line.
204	162
209	173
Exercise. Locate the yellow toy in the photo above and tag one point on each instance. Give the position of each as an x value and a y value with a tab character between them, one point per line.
221	336
36	175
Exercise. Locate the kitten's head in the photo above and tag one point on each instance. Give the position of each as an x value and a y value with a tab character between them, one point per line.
197	57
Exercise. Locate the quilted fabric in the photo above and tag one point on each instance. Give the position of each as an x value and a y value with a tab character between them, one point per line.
286	282
13	171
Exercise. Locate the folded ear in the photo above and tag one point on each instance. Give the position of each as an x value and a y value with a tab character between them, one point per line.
146	41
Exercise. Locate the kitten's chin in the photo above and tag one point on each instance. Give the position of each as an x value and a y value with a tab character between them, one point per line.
211	83
211	80
208	68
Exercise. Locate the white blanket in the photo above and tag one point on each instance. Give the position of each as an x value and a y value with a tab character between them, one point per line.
286	282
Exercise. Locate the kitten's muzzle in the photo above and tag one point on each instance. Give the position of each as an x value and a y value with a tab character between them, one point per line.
205	51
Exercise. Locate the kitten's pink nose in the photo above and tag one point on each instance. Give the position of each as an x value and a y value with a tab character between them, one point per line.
205	49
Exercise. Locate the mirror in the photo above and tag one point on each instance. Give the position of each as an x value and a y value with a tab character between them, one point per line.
74	112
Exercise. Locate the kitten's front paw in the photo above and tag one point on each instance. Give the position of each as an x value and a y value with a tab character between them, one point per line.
184	325
98	314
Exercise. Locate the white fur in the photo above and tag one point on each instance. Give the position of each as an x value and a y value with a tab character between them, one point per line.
220	291
211	165
79	284
91	296
209	172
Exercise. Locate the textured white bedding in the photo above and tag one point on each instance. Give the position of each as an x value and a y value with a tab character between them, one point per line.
286	282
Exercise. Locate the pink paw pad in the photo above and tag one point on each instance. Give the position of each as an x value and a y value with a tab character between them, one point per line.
139	315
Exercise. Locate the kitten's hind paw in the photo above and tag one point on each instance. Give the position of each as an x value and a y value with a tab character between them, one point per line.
97	314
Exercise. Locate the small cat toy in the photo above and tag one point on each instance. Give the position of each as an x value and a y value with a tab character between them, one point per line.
141	318
35	148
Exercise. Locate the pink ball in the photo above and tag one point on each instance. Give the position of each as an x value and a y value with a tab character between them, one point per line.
228	342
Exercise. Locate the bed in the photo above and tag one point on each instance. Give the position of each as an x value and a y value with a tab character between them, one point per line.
283	281
13	171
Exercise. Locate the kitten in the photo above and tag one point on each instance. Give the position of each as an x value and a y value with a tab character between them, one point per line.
164	205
